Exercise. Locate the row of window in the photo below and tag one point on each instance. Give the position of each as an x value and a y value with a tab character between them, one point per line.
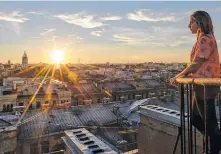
38	103
64	101
7	108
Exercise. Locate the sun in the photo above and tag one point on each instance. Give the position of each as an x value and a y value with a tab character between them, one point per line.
57	57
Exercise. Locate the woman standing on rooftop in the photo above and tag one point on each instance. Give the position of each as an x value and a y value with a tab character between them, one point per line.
204	63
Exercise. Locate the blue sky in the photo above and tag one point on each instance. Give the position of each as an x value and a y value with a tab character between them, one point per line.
97	32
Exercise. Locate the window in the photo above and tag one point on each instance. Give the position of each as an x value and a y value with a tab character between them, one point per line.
11	107
98	100
34	148
21	104
45	147
4	108
8	107
38	105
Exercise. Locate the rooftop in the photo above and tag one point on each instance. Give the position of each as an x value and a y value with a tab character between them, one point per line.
7	120
59	120
116	86
90	88
84	142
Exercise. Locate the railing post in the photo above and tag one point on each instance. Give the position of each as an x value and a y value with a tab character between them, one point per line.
182	119
189	113
195	140
219	103
188	116
205	121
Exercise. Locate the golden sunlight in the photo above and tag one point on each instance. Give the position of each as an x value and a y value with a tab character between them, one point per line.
57	57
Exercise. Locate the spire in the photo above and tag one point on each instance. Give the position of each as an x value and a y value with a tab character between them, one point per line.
25	59
24	55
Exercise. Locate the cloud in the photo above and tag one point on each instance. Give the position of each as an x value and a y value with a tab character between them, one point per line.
47	31
178	43
53	39
111	18
35	13
164	36
123	38
128	40
76	37
14	16
79	38
168	30
14	27
130	36
81	19
182	40
188	38
148	15
96	33
35	37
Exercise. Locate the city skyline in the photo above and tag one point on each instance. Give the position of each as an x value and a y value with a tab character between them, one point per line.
99	32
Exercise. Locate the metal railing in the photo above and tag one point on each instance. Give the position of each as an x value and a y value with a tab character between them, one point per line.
187	132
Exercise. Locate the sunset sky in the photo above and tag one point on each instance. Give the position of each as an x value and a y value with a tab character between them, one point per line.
98	32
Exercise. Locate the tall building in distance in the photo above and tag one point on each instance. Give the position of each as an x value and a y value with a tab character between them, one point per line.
9	62
24	60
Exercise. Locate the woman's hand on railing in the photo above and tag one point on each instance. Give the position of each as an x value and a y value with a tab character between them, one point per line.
173	82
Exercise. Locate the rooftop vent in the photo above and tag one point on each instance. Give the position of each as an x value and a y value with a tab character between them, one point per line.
172	112
89	142
154	107
93	146
97	151
165	110
84	139
80	135
77	132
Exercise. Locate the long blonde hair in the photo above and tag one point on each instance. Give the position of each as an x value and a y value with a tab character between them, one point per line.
204	23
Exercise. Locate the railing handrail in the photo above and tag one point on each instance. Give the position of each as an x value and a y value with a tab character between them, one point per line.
200	81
